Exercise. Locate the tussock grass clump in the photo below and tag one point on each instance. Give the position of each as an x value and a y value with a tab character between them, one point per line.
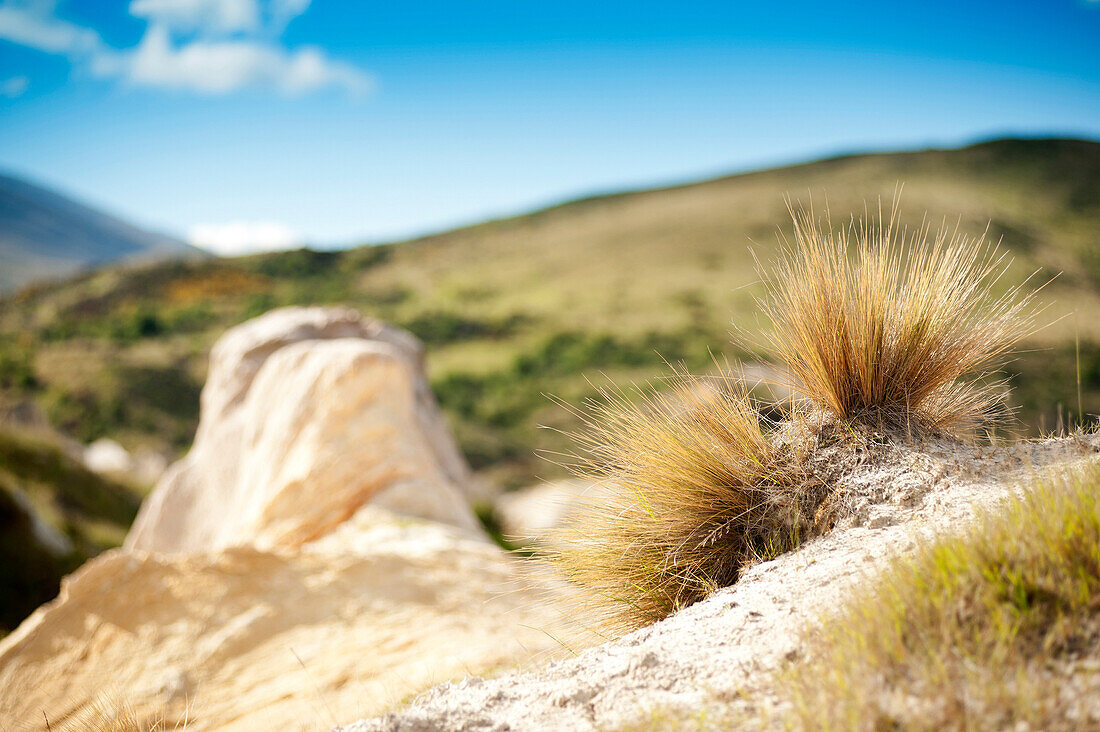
876	329
986	631
691	490
880	327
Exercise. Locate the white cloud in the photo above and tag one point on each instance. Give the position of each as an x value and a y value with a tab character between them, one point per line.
284	11
213	16
223	66
14	87
35	26
201	46
243	237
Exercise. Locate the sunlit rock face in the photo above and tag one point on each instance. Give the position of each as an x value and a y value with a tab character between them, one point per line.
307	415
312	560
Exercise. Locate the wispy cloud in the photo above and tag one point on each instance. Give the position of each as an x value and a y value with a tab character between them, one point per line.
243	237
34	25
224	66
201	46
219	16
14	87
284	11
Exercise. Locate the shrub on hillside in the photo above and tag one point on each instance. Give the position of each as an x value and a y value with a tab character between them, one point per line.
17	368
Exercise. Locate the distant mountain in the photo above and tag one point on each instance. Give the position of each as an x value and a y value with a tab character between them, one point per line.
45	235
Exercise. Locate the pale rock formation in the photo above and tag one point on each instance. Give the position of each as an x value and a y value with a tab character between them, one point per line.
285	574
107	456
251	639
308	414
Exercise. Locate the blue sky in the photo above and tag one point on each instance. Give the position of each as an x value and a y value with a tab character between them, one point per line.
263	123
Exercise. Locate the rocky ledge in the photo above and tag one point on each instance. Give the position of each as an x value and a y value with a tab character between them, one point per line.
719	654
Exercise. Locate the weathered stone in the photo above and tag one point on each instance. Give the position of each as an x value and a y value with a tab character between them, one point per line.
251	639
534	514
284	574
307	415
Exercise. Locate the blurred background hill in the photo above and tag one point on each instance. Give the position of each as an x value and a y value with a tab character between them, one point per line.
44	234
552	302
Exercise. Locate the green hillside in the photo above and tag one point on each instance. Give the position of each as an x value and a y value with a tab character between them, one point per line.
518	308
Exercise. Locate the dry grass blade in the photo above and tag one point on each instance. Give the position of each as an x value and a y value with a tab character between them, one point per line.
109	713
878	327
692	490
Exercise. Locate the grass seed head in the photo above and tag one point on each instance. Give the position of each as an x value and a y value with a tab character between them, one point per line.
876	326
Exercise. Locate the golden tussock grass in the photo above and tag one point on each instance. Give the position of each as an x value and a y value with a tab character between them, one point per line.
693	490
877	326
996	629
877	330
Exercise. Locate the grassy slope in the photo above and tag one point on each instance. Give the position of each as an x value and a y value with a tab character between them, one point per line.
999	629
511	309
995	628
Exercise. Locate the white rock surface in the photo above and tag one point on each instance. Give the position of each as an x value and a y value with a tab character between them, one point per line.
148	466
308	414
110	458
532	514
284	575
250	639
107	456
720	652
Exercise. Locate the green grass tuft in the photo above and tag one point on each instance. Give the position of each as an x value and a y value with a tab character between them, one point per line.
997	629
